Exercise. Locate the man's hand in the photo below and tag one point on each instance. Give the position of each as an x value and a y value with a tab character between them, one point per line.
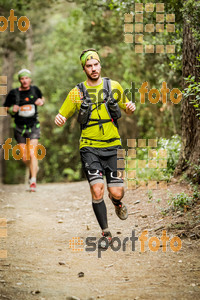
15	108
60	120
39	101
130	108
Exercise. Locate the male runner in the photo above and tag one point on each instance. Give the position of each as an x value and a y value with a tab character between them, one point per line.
99	137
22	105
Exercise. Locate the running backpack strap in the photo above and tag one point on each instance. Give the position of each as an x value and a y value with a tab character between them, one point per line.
32	90
107	91
85	109
17	95
83	91
111	104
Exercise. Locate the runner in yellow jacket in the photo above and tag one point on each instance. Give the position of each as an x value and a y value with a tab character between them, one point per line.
99	101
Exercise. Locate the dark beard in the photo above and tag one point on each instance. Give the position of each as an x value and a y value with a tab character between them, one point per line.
91	78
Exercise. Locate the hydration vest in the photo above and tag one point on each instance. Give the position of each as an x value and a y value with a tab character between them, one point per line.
112	107
17	94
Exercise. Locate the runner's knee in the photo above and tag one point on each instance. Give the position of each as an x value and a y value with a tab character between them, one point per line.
116	192
97	191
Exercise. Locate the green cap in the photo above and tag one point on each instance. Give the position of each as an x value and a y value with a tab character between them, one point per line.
24	73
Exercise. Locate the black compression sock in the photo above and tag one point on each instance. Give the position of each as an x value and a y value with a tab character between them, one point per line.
116	202
100	211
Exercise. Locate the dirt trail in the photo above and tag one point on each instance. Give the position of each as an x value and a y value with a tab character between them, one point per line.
41	265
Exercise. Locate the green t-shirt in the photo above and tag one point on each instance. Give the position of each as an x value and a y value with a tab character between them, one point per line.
110	131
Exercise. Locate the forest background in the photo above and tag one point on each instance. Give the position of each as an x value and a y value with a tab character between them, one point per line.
59	31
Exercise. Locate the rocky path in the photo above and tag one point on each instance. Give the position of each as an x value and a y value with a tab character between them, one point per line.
41	265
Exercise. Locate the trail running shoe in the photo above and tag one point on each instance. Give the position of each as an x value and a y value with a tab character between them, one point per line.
107	236
121	211
33	187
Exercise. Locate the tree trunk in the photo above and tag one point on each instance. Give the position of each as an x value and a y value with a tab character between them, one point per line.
7	70
29	47
189	161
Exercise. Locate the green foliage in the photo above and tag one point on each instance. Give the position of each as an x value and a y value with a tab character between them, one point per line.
191	13
196	171
180	201
172	147
61	30
196	193
57	72
150	195
16	172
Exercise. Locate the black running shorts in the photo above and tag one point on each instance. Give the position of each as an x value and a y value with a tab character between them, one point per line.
21	133
98	162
